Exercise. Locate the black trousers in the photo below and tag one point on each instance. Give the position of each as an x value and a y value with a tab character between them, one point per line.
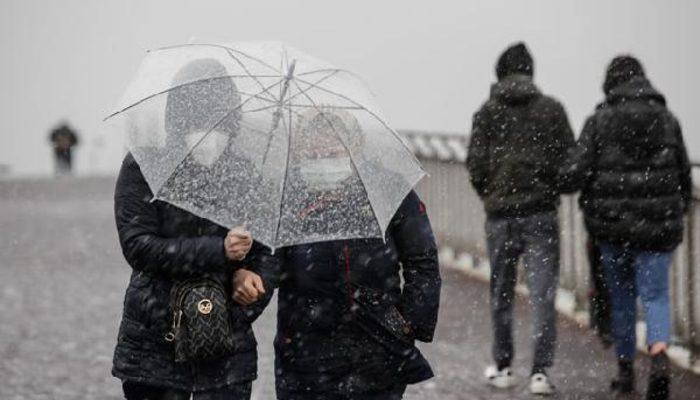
138	391
396	393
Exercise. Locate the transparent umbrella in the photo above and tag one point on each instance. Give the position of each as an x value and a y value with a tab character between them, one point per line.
264	135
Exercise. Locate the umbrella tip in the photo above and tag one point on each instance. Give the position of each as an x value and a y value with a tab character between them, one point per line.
290	70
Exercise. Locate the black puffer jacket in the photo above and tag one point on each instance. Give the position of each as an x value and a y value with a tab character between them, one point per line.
632	168
518	141
330	337
163	244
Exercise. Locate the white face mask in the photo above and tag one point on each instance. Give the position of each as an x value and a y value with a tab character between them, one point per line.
210	149
326	174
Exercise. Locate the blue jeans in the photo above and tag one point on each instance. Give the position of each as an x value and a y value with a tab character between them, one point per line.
630	273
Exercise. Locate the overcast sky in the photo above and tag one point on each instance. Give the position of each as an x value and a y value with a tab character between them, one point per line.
430	63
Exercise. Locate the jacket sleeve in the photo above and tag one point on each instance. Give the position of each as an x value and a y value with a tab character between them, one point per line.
144	248
261	261
563	141
478	154
74	141
685	173
577	167
420	297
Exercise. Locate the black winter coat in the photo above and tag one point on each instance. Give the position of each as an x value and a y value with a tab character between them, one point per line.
328	338
633	171
519	140
163	244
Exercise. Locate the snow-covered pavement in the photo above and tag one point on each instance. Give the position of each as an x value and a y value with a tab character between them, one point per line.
62	279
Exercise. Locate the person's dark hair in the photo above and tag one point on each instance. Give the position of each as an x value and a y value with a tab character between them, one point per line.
621	70
203	94
516	59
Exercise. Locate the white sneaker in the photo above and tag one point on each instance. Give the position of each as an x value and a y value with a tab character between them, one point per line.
540	384
502	379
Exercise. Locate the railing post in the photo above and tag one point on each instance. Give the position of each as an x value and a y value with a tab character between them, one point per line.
690	285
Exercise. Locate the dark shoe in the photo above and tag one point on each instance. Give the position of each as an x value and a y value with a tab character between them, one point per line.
624	383
659	378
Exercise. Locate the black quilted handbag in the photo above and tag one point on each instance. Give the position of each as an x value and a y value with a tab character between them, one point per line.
201	327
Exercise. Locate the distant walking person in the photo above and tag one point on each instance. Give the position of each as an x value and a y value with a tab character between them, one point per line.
519	140
633	171
63	139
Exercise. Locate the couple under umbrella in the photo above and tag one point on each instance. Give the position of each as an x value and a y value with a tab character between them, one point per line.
254	167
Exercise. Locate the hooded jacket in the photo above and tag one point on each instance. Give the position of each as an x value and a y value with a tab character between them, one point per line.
345	324
518	141
632	168
165	244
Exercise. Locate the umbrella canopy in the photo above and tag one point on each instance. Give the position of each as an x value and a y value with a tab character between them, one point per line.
264	135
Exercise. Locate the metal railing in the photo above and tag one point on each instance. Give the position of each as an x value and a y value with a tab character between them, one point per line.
457	216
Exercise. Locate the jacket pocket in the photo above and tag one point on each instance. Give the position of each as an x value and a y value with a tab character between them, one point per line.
382	320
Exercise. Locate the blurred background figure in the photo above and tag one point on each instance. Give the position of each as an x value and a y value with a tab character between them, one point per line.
63	138
632	167
519	140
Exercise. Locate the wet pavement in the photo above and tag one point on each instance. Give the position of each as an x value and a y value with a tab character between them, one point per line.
62	279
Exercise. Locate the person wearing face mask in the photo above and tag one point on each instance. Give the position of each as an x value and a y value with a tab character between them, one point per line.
323	176
345	325
165	245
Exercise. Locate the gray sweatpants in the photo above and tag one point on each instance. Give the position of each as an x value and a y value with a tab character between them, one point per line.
536	239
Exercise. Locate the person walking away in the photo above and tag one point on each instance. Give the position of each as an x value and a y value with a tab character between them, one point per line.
63	139
519	140
632	168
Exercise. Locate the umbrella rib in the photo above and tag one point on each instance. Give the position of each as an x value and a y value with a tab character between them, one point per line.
335	107
207	134
220	46
393	132
290	132
311	86
284	180
329	70
321	70
255	59
267	108
251	128
297	113
352	158
191	83
282	103
230	53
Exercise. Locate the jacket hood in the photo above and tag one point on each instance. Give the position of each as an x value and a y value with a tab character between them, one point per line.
637	88
516	59
203	94
621	70
515	89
